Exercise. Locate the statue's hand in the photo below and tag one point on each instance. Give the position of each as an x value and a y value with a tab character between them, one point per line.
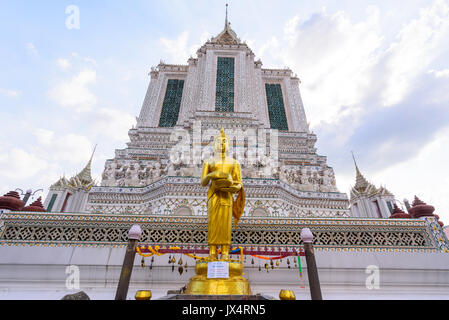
226	176
212	175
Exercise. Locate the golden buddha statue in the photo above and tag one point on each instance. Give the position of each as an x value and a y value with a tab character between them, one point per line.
223	173
225	178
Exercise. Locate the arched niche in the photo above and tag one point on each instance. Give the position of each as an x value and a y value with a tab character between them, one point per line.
183	211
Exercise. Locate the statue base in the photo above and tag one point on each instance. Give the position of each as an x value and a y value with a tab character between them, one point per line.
235	284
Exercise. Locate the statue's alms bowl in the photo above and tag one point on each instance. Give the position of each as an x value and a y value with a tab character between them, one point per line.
222	183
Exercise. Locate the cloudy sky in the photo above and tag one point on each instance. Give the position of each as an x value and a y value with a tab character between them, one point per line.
375	80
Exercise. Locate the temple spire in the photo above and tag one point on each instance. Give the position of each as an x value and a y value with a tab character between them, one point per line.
92	156
85	174
355	163
361	184
227	36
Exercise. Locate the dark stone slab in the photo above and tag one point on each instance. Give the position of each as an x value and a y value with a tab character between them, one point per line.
76	296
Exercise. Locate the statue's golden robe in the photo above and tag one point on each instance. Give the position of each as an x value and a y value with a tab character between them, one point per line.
220	204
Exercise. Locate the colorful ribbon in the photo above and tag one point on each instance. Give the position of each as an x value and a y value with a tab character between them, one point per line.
272	258
155	251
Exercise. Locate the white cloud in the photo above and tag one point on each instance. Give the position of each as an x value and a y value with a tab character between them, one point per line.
77	57
20	164
71	148
419	43
439	73
32	49
334	58
75	93
290	28
64	64
113	123
10	93
90	60
177	48
44	137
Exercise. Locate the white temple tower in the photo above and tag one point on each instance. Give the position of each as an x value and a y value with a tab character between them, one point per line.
261	111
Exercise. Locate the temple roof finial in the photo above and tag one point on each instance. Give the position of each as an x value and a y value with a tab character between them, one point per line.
226	20
222	133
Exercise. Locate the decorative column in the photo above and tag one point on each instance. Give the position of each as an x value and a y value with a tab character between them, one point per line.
187	108
261	103
145	112
312	271
133	236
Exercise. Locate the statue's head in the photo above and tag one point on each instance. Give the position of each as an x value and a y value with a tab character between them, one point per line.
221	142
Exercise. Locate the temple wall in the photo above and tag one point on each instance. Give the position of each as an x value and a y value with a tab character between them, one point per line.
40	273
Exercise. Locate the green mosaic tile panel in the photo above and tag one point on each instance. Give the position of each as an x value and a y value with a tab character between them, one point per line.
52	202
276	109
390	206
172	103
224	95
